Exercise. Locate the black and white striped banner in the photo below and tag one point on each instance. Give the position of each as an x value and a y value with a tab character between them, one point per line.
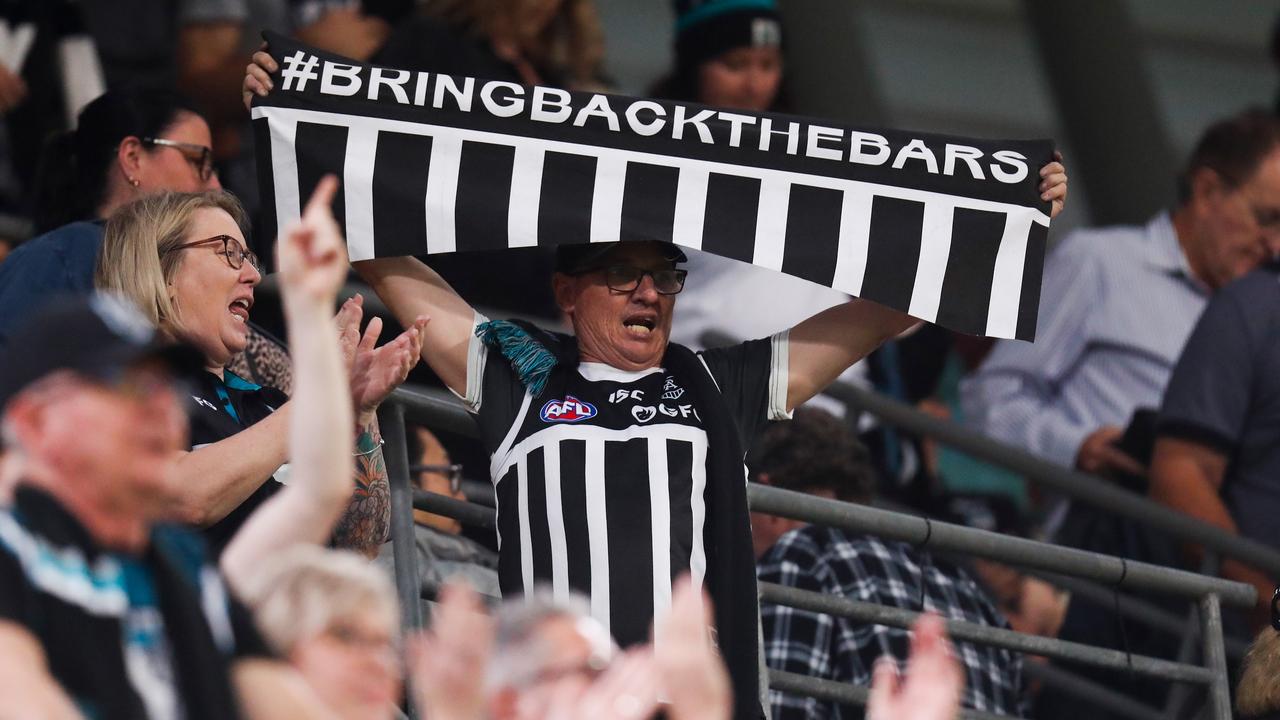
948	229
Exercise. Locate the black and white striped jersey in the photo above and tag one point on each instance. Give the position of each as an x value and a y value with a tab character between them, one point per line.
600	483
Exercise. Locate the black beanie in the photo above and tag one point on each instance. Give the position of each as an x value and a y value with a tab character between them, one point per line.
708	28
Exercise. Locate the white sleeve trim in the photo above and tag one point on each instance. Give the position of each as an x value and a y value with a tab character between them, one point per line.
477	356
779	376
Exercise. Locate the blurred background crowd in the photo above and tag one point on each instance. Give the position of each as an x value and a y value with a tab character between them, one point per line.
1155	366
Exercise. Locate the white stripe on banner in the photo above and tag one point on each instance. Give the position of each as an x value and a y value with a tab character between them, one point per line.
442	192
606	201
691	207
771	223
597	531
555	524
1006	281
935	246
855	239
357	188
660	522
526	187
284	165
526	542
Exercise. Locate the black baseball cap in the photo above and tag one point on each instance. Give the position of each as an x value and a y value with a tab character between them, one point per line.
98	336
585	257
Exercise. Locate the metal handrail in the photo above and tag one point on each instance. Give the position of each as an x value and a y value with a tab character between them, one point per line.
1074	484
442	410
832	691
483	516
473	514
987	635
1115	572
925	533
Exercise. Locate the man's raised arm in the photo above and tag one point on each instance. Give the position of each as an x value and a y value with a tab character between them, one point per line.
825	345
411	289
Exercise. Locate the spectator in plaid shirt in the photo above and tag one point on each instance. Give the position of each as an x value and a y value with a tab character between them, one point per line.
815	453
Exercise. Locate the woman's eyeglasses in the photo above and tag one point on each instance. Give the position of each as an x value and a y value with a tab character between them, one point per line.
234	253
200	156
453	473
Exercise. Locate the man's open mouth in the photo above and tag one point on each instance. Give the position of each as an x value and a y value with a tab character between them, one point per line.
640	324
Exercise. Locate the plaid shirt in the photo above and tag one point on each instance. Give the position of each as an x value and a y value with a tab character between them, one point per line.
829	561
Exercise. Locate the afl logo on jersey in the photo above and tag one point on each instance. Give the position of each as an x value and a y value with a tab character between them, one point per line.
570	409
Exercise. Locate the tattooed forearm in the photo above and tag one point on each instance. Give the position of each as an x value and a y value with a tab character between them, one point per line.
367	522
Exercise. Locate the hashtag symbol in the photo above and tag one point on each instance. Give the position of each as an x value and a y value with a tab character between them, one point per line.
298	69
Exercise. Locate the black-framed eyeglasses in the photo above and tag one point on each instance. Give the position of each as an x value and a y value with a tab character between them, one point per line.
234	253
200	156
451	472
626	278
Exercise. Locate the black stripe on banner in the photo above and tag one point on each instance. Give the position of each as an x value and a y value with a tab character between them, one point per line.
573	500
630	541
813	233
893	251
266	223
971	265
320	148
649	202
539	534
400	168
729	224
680	482
510	577
564	209
484	196
1032	269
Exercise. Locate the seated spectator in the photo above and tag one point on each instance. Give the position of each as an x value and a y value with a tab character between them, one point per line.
443	552
817	454
727	54
181	258
334	617
126	145
104	611
1118	304
552	660
1217	456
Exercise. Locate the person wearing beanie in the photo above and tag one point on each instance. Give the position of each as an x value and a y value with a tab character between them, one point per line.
728	54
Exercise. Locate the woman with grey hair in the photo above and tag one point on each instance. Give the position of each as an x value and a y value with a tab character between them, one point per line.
334	617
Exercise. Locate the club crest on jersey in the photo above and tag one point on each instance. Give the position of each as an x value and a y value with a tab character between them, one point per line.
570	409
671	391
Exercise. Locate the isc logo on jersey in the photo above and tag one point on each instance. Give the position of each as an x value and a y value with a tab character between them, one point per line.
570	409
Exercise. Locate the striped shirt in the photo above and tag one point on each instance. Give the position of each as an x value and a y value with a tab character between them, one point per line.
600	483
1117	306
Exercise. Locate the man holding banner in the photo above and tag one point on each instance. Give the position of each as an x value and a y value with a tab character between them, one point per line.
617	456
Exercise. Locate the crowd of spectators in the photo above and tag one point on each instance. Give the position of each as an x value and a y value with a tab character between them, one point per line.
191	506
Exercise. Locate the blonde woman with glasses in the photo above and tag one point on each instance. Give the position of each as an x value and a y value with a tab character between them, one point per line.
183	260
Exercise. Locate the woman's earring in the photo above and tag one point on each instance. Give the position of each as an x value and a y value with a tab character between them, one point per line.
134	182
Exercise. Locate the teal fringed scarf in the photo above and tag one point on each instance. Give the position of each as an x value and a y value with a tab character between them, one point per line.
530	359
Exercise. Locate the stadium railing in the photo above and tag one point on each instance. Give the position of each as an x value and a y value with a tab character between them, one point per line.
439	410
